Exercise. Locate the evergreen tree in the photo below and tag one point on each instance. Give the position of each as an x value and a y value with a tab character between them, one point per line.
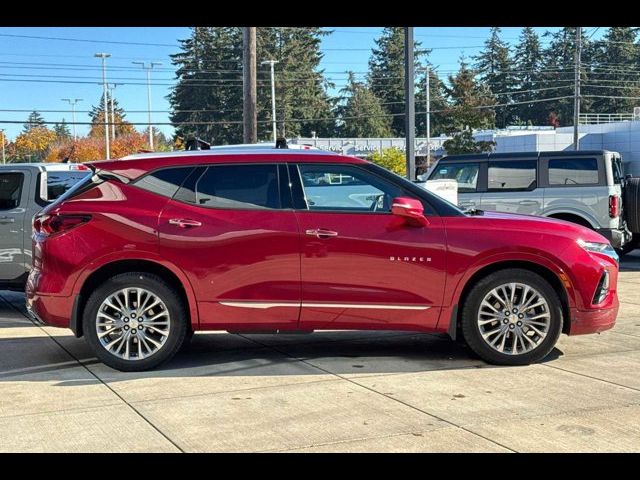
361	115
439	118
34	120
466	95
528	61
493	66
207	100
302	103
62	130
386	74
615	68
463	142
559	74
97	119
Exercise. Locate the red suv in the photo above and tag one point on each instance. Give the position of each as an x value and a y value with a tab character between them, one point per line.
151	248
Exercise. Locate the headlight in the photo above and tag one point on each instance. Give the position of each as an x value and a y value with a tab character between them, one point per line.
597	247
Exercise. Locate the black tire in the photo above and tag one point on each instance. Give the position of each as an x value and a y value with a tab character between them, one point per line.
178	328
632	204
471	307
186	344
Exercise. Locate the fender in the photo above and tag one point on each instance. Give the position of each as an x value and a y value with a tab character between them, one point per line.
147	256
560	270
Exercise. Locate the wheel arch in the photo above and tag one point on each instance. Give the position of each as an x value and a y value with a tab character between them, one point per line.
111	268
544	271
574	218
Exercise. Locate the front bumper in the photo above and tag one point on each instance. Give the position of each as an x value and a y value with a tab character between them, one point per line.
616	236
593	321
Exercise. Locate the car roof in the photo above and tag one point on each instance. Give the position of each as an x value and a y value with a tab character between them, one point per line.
48	166
133	166
519	155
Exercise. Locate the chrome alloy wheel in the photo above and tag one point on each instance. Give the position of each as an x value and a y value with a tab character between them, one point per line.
514	318
133	323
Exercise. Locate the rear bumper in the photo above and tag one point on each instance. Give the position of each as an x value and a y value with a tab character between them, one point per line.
592	321
617	237
50	310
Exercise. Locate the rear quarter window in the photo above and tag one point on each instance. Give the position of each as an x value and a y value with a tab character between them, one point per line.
59	182
573	171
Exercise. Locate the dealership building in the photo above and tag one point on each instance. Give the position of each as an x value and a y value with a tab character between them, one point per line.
619	133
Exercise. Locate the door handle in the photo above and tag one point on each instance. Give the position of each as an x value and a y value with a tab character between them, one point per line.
528	202
7	220
184	222
321	233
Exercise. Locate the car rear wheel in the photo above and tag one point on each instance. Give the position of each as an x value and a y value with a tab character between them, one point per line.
512	317
135	321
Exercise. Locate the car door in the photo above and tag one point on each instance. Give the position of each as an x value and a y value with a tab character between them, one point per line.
363	267
512	187
231	229
467	174
14	198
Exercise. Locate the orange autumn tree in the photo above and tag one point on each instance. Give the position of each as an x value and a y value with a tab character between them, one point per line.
34	143
90	149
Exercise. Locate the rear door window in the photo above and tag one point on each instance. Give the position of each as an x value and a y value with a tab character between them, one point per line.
10	190
164	182
573	171
466	174
236	186
512	175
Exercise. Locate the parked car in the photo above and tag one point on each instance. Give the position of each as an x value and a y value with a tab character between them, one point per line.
583	187
25	188
148	250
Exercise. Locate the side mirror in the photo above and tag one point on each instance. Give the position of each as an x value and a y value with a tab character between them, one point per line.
409	209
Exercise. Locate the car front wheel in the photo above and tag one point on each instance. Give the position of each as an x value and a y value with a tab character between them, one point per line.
512	317
135	321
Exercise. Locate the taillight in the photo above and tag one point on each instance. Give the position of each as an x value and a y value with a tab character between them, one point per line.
54	224
614	206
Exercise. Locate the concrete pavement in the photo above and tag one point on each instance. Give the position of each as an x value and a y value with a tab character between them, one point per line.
325	392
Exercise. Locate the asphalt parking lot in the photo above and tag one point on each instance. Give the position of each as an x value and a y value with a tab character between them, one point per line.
325	392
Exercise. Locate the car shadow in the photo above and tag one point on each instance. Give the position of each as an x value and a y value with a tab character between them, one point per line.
41	357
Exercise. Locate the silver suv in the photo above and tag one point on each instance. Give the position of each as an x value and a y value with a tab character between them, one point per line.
584	187
25	188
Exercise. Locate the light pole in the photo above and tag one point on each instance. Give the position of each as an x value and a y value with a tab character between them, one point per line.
73	112
427	114
148	67
273	95
111	88
4	160
104	57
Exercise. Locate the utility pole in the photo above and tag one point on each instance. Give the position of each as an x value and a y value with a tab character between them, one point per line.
576	99
410	107
428	116
4	160
112	87
148	67
104	57
73	113
273	95
250	131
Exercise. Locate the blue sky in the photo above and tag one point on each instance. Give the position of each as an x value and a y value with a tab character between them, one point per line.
27	65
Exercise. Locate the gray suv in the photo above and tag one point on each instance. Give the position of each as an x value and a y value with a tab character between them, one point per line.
584	187
25	188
